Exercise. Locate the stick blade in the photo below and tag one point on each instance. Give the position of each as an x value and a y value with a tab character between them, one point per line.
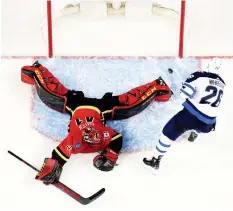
92	198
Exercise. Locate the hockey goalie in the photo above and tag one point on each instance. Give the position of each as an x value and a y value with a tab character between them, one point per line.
87	131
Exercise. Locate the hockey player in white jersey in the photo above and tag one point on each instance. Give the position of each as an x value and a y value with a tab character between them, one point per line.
203	92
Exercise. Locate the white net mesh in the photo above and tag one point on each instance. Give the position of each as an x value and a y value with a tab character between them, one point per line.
159	7
149	21
167	8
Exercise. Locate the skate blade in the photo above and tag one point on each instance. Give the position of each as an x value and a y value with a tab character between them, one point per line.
150	169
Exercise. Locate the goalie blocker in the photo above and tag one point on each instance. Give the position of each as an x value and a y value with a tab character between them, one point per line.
56	96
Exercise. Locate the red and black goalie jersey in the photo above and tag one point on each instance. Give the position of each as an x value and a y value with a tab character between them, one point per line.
87	134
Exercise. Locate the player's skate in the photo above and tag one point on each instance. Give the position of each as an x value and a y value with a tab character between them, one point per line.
48	87
193	136
153	163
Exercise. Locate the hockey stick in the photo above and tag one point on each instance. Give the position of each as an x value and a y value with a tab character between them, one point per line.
64	188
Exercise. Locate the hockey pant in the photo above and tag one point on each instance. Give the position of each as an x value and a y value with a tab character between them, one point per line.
184	121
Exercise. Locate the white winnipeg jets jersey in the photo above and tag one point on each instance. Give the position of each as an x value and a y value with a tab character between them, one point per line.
203	92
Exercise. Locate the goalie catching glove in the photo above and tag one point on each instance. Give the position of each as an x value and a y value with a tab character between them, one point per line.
106	160
50	172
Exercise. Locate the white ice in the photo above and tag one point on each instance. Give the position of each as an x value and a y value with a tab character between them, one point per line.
209	30
193	176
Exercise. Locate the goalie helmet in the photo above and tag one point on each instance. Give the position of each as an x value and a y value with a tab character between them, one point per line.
91	136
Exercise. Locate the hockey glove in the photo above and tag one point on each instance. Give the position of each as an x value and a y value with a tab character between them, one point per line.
106	160
50	172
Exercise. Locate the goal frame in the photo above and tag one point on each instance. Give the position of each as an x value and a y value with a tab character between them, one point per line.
181	31
180	53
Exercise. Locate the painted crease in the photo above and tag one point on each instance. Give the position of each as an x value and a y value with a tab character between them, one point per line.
96	76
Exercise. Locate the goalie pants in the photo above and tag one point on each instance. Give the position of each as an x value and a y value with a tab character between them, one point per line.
123	106
105	104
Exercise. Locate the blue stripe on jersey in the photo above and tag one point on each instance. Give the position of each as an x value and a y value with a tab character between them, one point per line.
197	75
194	111
186	93
160	150
190	86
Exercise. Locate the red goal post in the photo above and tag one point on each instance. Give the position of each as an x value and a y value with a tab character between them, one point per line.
181	31
182	26
50	28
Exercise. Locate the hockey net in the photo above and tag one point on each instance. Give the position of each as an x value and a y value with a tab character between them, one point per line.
162	7
107	9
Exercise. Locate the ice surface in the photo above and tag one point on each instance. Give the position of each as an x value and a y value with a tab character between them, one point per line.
193	176
210	32
97	76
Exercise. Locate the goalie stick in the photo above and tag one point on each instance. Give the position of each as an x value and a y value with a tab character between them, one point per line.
66	189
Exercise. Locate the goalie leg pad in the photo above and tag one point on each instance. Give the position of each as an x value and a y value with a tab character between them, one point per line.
48	87
137	99
163	91
163	94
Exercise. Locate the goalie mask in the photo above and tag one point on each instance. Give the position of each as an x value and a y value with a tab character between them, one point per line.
92	136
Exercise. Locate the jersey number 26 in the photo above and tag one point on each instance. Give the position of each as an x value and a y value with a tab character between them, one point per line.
215	94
